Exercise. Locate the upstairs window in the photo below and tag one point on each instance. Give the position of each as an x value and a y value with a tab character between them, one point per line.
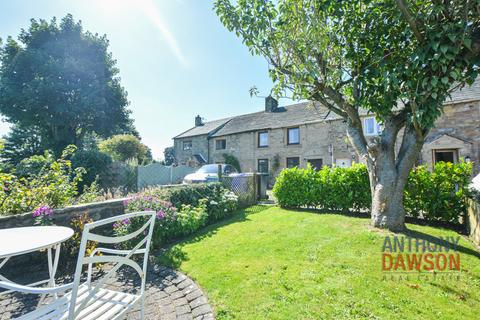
371	127
293	136
220	144
263	139
187	145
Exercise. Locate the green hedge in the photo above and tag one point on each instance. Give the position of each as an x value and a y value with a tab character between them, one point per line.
180	210
330	188
432	195
440	194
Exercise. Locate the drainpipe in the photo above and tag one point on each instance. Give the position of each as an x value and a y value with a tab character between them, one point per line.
330	150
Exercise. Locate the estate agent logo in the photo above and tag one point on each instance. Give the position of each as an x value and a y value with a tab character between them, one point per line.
404	256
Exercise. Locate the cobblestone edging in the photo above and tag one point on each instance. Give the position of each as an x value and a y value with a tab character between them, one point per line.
169	295
173	295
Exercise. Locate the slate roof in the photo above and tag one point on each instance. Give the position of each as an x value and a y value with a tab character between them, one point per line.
207	128
467	93
296	114
293	115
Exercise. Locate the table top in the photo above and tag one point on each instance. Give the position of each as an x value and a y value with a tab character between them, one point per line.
16	241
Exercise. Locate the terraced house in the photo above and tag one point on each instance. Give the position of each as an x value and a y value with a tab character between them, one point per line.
294	135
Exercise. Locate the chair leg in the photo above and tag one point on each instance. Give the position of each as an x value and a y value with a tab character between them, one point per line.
142	307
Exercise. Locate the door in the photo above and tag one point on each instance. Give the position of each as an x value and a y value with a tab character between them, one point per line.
316	164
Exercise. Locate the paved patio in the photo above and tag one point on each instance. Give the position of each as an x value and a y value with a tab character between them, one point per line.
169	295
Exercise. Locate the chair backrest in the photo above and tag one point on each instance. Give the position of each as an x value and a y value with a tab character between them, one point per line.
118	257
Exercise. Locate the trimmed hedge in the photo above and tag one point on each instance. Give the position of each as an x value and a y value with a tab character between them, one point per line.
432	195
440	194
334	188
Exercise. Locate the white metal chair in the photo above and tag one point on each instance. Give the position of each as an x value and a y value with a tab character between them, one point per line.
88	301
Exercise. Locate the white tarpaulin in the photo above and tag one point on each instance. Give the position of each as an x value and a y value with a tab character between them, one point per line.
476	183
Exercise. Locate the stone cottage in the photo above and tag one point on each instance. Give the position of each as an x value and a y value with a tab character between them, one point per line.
294	135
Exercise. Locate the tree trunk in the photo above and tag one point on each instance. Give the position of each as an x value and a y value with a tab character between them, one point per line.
387	200
388	170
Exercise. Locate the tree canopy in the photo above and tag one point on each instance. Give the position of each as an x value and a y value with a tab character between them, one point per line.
396	59
63	81
126	147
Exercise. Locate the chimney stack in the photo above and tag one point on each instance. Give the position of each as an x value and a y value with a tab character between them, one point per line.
271	104
198	121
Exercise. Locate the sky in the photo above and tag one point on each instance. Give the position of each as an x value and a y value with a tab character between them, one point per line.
176	59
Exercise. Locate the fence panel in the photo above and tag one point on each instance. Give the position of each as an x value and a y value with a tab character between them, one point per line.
244	186
156	174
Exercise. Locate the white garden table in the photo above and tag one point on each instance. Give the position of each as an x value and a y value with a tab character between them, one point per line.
18	241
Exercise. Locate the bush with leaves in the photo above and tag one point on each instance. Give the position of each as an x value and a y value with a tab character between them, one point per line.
180	210
33	165
339	189
439	194
54	186
432	195
72	245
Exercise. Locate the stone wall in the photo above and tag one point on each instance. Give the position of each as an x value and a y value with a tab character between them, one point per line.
63	216
199	146
474	220
462	121
315	139
458	128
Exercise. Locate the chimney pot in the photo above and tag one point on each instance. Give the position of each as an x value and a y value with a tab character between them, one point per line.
198	121
271	104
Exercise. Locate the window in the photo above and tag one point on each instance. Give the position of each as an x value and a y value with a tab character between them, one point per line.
187	145
371	127
263	139
316	164
221	144
445	155
293	135
263	165
293	162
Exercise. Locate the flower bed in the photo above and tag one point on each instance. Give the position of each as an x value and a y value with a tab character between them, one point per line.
180	211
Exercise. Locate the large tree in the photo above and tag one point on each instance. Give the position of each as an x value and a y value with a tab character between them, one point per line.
125	147
396	59
62	80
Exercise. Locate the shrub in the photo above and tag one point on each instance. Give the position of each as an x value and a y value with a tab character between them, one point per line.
180	210
190	218
96	166
72	245
233	161
439	194
55	186
432	195
33	165
330	188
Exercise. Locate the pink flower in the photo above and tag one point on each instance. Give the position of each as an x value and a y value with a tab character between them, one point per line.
45	211
161	214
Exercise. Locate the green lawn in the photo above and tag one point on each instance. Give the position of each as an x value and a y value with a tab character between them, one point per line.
272	263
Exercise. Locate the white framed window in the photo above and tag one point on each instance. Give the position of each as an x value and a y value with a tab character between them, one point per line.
371	127
293	136
187	145
263	139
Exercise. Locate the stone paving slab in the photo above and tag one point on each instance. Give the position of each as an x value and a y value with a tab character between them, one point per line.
169	295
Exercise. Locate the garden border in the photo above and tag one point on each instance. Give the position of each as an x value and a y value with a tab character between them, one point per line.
63	216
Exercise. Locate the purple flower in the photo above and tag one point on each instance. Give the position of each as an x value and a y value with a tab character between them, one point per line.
45	211
161	214
126	221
